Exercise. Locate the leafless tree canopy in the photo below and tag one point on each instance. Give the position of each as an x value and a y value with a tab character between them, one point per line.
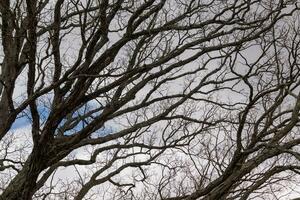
149	99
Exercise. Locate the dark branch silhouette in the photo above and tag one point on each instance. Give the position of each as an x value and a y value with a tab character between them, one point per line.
149	99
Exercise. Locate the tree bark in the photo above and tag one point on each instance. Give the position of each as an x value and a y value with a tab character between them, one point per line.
22	187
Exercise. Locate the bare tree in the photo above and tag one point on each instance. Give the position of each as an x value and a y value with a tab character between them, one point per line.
149	99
